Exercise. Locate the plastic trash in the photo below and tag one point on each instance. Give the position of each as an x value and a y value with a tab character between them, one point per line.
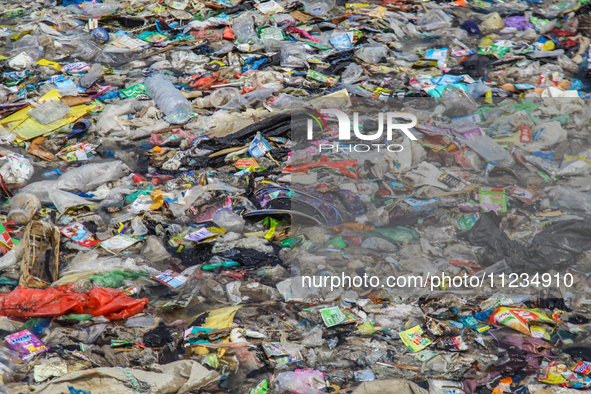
49	112
243	29
318	7
23	208
91	176
301	382
371	53
97	9
352	73
227	98
168	98
91	76
228	220
491	23
434	20
293	55
489	149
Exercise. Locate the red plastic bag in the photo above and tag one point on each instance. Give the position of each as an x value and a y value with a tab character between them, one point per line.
111	303
228	34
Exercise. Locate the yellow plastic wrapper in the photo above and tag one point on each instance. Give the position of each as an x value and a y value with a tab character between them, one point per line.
553	373
414	339
522	320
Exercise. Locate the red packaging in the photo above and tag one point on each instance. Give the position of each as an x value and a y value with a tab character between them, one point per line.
525	134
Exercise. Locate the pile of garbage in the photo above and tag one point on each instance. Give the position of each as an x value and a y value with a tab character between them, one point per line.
194	196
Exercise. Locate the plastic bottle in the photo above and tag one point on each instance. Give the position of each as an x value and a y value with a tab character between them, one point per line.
91	76
168	98
23	207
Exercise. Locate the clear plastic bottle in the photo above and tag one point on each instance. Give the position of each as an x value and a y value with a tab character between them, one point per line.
168	98
91	76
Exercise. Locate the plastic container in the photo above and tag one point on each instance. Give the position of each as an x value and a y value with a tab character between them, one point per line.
49	112
91	76
169	99
23	207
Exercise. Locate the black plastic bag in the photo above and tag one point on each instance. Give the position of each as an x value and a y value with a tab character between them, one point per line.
158	337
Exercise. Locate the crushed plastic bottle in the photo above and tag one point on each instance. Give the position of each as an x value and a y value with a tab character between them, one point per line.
169	99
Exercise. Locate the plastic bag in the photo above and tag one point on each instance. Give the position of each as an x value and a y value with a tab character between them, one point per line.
318	7
313	338
434	20
372	54
47	193
89	264
96	10
23	207
293	55
111	303
243	28
352	73
153	250
228	220
115	279
49	112
546	134
227	98
301	382
233	292
16	169
376	243
138	227
491	23
91	176
189	198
